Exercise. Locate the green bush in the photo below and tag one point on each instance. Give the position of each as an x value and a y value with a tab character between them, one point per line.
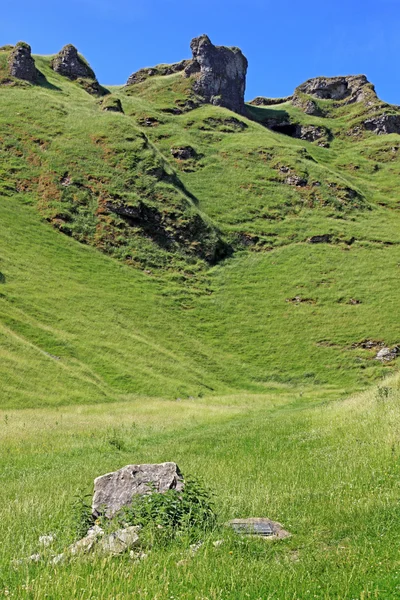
188	512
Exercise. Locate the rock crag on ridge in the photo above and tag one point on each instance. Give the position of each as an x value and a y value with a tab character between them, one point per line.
220	74
352	88
68	63
21	63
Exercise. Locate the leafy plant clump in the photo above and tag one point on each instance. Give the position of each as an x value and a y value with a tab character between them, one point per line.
82	519
173	514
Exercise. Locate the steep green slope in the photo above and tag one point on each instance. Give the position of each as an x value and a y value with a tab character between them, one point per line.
172	187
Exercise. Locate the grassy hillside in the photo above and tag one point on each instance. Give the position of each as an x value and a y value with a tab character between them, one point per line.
177	327
163	297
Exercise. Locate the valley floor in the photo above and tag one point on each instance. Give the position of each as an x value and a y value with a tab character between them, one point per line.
326	468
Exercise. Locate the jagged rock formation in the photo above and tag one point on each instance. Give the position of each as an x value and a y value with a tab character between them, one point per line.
68	63
353	88
21	63
220	74
383	124
159	70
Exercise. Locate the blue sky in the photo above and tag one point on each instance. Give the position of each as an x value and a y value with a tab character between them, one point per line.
286	42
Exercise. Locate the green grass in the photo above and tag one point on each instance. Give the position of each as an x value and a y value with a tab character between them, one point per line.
329	472
144	340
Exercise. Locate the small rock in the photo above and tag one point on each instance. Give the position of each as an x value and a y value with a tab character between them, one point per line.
218	543
326	238
296	181
59	558
183	152
261	527
46	540
387	354
87	543
120	541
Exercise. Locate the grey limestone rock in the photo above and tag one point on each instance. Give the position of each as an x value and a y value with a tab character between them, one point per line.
353	88
384	124
387	354
21	63
220	74
114	543
68	63
115	490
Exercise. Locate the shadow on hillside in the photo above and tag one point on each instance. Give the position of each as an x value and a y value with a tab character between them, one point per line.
2	278
45	83
262	114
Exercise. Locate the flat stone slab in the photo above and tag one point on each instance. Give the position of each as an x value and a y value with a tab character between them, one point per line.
115	490
259	526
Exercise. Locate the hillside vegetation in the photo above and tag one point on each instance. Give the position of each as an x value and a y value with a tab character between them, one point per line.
180	282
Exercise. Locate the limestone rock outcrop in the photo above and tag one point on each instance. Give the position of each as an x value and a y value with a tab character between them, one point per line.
116	490
68	63
353	88
21	63
220	74
383	124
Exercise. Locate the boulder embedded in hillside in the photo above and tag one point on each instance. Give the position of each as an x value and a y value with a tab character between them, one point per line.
183	152
68	63
21	63
353	88
220	74
260	527
308	106
388	354
325	238
384	124
114	491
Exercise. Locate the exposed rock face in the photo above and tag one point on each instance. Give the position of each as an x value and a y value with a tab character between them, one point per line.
353	88
325	238
159	70
383	124
388	354
116	490
309	133
183	152
68	63
21	63
220	74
